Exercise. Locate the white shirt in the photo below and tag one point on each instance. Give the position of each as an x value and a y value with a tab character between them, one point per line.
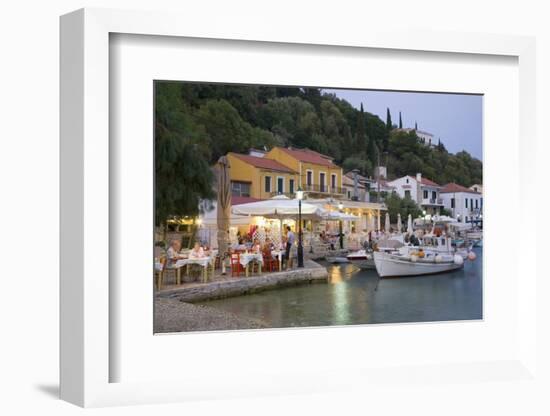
290	238
196	253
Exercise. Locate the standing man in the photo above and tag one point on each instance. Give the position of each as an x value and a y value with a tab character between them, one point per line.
290	238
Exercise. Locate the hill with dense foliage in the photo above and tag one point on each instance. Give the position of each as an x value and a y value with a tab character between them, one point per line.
195	124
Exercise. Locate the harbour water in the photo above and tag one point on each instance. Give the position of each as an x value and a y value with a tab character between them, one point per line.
355	297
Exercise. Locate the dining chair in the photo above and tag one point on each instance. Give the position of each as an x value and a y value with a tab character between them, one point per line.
159	274
270	263
236	266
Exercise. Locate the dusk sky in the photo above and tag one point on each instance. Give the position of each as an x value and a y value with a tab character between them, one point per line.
455	118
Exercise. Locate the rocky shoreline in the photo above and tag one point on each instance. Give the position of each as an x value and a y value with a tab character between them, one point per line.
311	273
172	315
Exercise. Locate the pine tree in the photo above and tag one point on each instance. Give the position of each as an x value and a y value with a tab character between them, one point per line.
361	136
388	120
400	121
372	152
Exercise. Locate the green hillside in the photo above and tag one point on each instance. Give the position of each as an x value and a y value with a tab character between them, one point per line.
195	124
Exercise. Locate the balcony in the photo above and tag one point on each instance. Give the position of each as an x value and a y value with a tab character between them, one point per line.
324	189
432	201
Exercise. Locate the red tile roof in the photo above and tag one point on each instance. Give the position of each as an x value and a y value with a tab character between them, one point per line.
384	182
309	156
455	187
263	163
428	182
238	200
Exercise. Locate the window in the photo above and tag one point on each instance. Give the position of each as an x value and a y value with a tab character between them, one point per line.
280	185
322	182
333	181
477	203
291	186
434	195
268	183
407	180
309	178
471	203
407	194
349	194
240	188
425	195
452	202
466	202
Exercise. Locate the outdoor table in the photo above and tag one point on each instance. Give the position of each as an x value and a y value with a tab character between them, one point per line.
246	258
279	255
176	266
204	262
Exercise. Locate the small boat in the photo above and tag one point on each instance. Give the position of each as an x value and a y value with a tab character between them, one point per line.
476	237
435	255
336	260
362	259
411	264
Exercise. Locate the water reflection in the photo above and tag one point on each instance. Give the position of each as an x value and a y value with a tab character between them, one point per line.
355	296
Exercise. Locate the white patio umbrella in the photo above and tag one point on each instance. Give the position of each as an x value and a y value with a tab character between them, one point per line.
409	224
398	222
387	223
340	216
280	207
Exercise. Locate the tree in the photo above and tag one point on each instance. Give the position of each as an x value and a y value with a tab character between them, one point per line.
389	125
182	172
415	126
361	139
296	121
359	162
400	121
226	131
404	206
372	152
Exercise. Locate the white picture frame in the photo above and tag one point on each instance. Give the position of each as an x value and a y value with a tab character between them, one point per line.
85	211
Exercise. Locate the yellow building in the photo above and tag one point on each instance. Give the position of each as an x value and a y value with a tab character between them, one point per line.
260	177
318	175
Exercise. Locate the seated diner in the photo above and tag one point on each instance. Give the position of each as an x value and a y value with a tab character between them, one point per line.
197	252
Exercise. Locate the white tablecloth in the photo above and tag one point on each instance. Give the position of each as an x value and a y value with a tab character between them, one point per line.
202	261
246	258
278	254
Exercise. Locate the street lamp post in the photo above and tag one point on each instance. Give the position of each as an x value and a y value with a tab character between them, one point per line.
300	196
341	234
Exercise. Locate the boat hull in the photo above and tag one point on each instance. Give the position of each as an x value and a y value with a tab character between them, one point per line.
388	265
363	263
362	259
336	260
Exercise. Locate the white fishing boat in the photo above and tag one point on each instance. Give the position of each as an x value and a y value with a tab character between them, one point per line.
435	255
396	264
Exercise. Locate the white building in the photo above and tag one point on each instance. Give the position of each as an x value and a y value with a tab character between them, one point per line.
477	187
424	137
464	204
421	190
